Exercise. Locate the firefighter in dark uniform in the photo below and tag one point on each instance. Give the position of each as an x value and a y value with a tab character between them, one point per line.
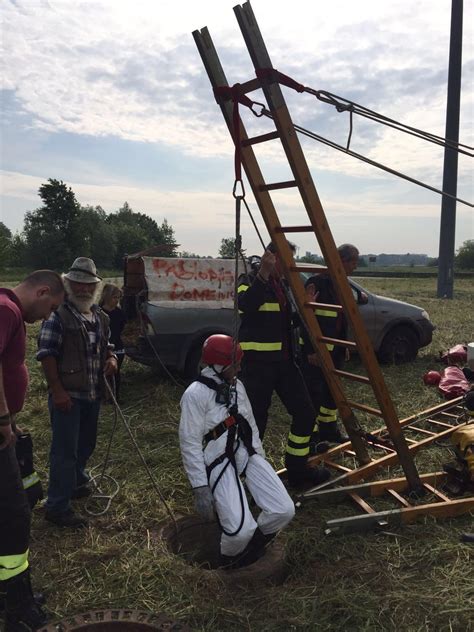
33	299
333	324
266	338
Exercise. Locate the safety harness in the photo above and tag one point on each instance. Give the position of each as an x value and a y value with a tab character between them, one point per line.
235	423
237	428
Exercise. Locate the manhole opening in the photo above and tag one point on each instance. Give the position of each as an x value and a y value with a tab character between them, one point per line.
195	541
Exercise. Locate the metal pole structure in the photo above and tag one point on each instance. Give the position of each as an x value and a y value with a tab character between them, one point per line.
450	172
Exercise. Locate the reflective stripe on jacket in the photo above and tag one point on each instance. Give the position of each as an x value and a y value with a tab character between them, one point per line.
265	330
333	323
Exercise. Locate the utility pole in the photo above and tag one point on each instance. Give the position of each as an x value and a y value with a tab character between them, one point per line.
450	172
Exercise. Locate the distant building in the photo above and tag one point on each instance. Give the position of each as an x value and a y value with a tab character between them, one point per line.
409	259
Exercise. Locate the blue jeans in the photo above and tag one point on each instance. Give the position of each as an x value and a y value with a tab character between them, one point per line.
73	442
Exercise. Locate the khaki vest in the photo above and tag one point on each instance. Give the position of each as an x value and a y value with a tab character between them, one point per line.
72	361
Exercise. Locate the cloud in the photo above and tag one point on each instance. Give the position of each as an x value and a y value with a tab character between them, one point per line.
130	71
104	69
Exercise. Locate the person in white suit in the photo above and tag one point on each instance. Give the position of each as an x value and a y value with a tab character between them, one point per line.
220	443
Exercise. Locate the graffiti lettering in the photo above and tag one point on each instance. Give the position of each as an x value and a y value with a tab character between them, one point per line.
181	293
192	270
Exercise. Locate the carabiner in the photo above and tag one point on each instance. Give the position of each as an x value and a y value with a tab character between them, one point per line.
254	112
234	190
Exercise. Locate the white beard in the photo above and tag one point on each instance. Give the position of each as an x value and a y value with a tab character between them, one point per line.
82	303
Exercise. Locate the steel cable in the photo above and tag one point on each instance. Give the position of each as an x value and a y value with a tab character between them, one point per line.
374	163
345	105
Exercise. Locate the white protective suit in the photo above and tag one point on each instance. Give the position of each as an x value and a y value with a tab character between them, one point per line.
200	413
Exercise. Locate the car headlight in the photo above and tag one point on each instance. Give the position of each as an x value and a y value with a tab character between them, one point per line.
424	314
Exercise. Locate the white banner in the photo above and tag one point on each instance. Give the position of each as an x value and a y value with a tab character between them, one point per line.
181	283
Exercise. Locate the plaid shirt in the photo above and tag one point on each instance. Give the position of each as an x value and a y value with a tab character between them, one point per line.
50	340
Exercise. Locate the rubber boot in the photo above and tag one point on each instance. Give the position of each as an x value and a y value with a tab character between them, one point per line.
330	432
255	549
467	537
308	477
316	446
229	562
22	613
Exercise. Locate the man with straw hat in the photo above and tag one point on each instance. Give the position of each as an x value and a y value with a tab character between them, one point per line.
74	349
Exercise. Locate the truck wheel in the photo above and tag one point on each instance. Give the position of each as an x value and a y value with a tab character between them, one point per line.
399	345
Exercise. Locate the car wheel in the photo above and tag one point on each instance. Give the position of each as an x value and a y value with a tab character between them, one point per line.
399	345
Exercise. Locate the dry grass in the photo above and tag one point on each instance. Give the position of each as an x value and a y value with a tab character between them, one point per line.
416	578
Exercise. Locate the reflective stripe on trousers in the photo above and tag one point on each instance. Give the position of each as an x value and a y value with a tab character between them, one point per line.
298	445
31	480
327	415
13	565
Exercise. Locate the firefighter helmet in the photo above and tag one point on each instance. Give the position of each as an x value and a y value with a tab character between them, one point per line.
431	378
221	349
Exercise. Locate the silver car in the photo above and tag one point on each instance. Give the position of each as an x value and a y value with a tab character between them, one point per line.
396	329
174	337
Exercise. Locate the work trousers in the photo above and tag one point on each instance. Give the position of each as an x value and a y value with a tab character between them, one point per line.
14	517
73	442
261	379
321	396
231	504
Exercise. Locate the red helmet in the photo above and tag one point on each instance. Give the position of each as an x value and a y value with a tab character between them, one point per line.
431	378
221	349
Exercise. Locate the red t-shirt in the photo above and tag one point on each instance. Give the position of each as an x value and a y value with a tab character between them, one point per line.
12	350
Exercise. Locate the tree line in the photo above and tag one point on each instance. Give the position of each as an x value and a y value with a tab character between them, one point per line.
61	229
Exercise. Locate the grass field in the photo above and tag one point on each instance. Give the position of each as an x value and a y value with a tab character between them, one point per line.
416	578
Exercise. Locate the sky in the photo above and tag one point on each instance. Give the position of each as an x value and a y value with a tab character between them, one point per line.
111	97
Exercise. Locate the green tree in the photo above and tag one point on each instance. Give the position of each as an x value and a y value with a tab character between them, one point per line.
100	239
136	231
5	232
5	245
465	256
167	237
52	233
227	248
17	251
